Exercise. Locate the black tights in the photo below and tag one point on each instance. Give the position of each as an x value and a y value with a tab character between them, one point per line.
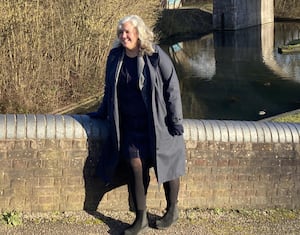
171	191
139	182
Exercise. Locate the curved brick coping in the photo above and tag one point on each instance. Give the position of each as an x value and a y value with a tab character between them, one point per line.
241	131
40	126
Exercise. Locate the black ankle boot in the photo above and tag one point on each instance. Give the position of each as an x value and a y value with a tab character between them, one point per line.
169	218
140	223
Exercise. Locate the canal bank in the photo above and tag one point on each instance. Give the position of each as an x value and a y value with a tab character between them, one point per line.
184	23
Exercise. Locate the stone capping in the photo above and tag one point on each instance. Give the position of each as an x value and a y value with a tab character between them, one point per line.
46	126
49	126
241	131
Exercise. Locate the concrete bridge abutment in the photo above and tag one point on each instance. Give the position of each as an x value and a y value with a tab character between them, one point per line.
238	14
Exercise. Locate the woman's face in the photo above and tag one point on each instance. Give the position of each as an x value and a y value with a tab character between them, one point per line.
128	36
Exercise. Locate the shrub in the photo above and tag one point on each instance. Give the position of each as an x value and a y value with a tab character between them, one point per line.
53	53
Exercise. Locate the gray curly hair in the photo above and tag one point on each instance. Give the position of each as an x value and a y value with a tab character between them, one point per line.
146	35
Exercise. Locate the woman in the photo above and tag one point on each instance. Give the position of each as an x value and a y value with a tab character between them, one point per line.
142	104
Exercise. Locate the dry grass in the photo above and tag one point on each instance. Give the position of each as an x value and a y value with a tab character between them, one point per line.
53	52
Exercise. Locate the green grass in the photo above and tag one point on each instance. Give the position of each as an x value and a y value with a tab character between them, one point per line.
295	117
12	218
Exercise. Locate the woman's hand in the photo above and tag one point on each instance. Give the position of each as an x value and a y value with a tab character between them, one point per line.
176	129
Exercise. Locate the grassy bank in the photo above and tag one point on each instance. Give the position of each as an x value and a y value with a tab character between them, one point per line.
53	53
288	117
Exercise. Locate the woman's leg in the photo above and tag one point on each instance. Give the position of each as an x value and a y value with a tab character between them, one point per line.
171	216
138	192
137	183
171	191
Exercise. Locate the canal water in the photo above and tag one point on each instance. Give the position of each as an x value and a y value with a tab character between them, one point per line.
238	75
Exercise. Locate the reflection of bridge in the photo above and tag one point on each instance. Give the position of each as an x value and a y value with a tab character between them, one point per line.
244	67
263	37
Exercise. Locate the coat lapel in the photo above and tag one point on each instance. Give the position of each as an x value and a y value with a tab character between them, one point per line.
140	69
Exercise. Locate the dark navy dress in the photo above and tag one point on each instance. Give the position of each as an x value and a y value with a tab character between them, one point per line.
133	113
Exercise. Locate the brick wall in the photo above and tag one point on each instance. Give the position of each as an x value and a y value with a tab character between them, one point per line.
48	164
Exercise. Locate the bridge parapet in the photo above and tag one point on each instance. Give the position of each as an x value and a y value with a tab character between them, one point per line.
48	164
242	131
30	126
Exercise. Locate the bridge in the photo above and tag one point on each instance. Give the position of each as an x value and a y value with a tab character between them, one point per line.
48	161
233	15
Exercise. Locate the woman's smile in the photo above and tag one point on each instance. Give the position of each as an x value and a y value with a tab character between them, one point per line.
128	36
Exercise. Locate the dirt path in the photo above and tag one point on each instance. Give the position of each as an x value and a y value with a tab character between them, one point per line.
193	221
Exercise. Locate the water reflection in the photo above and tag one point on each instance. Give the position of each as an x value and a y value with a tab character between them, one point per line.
197	64
239	75
285	32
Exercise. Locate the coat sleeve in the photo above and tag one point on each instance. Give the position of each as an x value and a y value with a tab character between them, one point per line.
102	111
171	89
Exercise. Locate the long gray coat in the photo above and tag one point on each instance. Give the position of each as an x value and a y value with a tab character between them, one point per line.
165	101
